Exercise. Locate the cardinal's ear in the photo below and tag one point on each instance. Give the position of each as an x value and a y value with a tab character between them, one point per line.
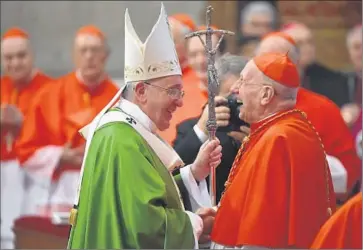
267	93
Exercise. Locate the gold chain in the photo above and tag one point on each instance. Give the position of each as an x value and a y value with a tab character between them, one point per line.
235	169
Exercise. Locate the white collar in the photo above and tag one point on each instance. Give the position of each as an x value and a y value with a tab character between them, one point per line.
134	111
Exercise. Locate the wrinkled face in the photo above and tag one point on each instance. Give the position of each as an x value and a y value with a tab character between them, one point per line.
252	92
355	50
258	25
305	42
17	59
177	31
197	57
90	54
159	99
226	84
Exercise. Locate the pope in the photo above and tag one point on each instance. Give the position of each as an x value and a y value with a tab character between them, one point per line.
128	197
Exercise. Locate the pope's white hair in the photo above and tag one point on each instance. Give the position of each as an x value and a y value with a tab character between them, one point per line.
258	7
352	33
128	91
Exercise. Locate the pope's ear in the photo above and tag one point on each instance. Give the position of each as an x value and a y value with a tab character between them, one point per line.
140	91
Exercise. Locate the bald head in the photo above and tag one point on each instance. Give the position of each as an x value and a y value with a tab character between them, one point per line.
90	52
304	39
278	44
16	57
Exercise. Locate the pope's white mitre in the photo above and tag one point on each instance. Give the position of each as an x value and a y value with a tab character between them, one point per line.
154	58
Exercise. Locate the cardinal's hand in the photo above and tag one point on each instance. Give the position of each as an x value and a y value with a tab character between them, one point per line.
207	215
11	120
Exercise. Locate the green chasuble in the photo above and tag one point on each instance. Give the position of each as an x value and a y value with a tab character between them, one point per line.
128	198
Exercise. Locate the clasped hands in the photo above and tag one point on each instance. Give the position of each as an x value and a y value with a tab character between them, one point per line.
209	156
11	120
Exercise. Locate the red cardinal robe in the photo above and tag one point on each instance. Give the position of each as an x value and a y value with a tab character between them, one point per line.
344	229
336	137
281	190
56	117
22	99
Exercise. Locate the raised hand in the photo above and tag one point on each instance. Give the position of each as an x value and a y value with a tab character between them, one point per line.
209	155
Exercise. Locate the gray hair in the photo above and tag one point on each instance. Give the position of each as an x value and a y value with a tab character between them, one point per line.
128	91
352	32
258	7
229	64
285	93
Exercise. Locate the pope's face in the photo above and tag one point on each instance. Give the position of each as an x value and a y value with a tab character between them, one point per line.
197	57
16	58
248	88
162	100
90	54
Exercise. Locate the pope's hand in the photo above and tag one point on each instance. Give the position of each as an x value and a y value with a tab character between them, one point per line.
207	215
209	156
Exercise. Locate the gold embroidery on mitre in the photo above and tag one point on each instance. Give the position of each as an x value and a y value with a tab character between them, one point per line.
152	69
136	71
162	67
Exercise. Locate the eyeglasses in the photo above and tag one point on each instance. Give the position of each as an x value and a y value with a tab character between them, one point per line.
172	92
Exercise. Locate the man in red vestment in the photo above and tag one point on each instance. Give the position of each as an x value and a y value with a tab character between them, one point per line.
271	198
326	117
51	149
344	229
18	87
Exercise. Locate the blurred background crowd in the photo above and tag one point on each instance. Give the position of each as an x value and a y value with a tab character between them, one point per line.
328	35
